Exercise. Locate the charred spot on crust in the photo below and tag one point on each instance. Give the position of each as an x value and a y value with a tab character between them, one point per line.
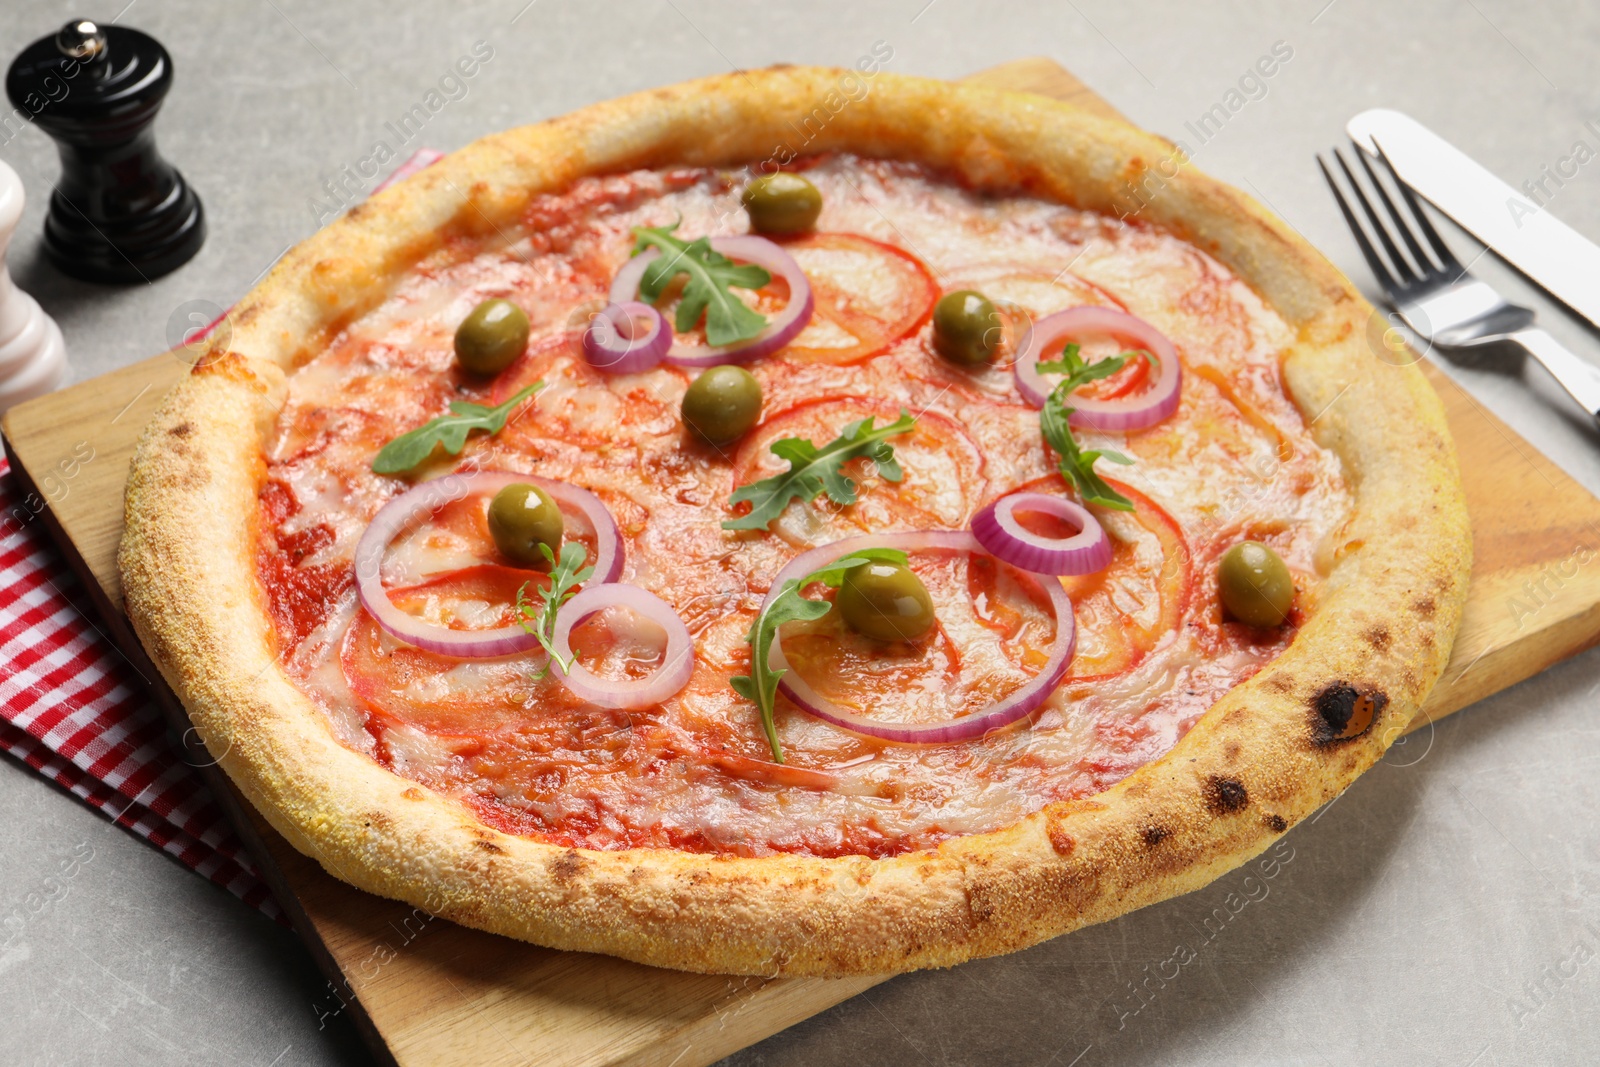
981	904
1224	796
1425	607
1277	824
1378	637
1278	683
1342	712
489	847
377	819
183	429
1154	835
567	866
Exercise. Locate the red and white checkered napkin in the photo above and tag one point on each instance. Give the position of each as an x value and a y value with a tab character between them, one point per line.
75	710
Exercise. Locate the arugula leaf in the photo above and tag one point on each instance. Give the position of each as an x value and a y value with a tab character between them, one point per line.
540	619
760	686
711	276
1080	373
813	470
411	448
1077	466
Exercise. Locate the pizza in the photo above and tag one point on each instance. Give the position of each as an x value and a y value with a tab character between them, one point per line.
629	537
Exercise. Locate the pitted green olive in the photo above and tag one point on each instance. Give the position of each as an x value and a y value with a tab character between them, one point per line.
722	404
491	337
884	601
521	518
966	327
1255	584
781	203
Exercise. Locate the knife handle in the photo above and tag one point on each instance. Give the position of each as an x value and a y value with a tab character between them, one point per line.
1577	376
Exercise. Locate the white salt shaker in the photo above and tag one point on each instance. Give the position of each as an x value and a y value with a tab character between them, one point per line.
33	358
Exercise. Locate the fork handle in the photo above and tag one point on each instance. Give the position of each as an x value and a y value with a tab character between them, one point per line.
1577	376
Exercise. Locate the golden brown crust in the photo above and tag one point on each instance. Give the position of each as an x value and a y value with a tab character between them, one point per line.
1268	754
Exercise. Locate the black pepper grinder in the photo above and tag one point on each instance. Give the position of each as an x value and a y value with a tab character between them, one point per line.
120	213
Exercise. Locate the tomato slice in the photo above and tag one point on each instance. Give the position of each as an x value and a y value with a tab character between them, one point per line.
995	627
942	469
480	597
1124	610
441	693
533	365
868	296
1248	411
581	412
763	772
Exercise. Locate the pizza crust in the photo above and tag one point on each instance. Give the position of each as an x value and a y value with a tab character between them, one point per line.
1264	757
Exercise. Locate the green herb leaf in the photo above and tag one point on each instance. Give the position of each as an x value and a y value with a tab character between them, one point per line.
1077	466
814	470
450	431
760	686
539	619
708	290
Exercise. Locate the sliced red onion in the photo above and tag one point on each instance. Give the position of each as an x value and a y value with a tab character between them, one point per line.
626	338
398	513
780	330
677	661
1018	705
997	530
1123	413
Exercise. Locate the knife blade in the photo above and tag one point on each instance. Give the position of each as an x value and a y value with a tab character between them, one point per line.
1523	232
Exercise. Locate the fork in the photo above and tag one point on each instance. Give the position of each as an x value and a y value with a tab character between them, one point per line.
1437	297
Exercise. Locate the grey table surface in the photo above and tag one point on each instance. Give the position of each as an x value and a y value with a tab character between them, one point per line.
1446	910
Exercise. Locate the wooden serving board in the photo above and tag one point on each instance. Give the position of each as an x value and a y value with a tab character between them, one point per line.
427	992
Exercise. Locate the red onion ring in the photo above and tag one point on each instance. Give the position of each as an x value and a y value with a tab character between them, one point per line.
1018	705
626	338
469	644
783	327
677	662
1124	413
998	531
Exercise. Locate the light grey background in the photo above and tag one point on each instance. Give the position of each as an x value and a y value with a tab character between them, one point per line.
1445	911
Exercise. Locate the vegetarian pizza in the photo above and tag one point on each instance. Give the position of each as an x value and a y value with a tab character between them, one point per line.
615	539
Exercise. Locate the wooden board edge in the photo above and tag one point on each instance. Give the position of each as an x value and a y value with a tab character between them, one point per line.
714	1037
240	815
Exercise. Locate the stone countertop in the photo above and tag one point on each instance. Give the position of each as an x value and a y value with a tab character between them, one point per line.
1446	910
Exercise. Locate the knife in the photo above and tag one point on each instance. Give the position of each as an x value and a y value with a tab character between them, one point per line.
1520	229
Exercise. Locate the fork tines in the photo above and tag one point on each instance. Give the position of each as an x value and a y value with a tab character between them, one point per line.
1397	274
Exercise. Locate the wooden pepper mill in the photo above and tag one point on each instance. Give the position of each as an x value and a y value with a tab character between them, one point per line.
120	212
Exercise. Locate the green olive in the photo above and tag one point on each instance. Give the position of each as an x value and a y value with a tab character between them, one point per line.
781	203
722	404
966	327
884	601
491	337
1256	586
522	517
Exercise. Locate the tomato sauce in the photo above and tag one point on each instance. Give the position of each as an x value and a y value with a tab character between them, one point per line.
517	748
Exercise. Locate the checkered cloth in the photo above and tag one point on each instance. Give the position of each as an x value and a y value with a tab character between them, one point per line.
75	710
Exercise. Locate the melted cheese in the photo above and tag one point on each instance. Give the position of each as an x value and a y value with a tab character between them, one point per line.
693	773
